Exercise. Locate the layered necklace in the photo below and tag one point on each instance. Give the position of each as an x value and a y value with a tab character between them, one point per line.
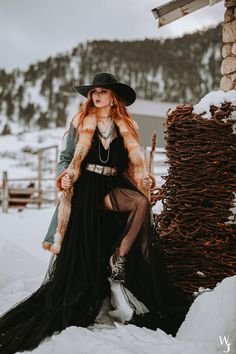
106	135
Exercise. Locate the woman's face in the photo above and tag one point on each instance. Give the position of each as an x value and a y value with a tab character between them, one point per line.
101	97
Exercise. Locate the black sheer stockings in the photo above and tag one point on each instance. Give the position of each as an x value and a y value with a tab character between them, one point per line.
137	206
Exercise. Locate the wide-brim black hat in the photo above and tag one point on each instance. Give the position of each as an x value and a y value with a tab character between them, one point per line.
126	94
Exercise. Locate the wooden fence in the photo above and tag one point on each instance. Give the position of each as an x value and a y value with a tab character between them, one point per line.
21	196
159	165
34	191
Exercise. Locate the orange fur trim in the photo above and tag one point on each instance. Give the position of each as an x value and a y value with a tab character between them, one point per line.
135	172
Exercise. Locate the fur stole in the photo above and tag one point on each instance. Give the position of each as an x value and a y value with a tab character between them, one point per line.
135	172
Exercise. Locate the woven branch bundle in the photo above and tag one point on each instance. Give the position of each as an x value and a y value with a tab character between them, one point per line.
197	226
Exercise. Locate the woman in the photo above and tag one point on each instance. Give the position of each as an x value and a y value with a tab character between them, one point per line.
104	248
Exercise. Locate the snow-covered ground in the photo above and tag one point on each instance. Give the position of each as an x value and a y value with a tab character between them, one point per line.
210	320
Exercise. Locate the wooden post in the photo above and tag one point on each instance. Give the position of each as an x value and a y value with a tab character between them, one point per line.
5	195
55	187
145	152
153	147
39	177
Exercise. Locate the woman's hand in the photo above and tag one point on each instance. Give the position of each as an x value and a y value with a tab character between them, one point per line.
66	182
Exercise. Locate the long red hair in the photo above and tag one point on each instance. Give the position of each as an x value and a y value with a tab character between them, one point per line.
118	111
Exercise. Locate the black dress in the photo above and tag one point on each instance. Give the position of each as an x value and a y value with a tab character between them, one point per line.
76	282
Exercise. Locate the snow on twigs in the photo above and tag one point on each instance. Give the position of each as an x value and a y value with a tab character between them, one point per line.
215	98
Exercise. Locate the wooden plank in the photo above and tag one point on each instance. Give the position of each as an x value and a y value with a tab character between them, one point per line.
19	200
174	10
5	194
22	190
23	179
31	179
173	5
29	200
40	174
213	2
47	148
182	11
55	186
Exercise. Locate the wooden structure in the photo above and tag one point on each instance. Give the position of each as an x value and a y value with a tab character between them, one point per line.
33	193
40	171
19	197
198	224
173	10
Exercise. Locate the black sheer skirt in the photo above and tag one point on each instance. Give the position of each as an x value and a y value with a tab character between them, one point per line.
76	283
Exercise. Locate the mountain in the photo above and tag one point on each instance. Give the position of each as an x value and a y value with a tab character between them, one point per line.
179	70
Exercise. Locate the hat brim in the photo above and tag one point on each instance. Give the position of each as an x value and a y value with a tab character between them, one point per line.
126	94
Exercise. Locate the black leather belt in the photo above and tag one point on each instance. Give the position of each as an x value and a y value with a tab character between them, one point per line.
102	170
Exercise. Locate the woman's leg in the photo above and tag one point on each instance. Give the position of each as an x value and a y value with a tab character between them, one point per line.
136	205
138	208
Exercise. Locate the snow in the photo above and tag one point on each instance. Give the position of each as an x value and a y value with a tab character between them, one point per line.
32	95
232	217
215	98
158	207
75	67
36	139
23	267
3	121
205	306
17	152
207	55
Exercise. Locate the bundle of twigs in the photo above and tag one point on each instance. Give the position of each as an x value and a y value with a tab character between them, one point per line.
197	226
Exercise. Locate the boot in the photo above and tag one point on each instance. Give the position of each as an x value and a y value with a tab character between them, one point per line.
117	267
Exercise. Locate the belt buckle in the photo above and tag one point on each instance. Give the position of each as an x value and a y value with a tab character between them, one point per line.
89	167
107	170
98	169
113	171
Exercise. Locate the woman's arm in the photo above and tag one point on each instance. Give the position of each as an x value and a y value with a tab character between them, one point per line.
66	156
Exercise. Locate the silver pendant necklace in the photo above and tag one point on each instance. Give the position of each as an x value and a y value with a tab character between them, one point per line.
106	134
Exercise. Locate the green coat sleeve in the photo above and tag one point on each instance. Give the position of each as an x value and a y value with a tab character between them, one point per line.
49	237
66	156
67	153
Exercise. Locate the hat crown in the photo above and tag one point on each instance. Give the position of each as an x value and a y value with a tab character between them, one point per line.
104	78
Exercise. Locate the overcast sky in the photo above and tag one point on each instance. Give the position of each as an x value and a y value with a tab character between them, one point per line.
33	30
